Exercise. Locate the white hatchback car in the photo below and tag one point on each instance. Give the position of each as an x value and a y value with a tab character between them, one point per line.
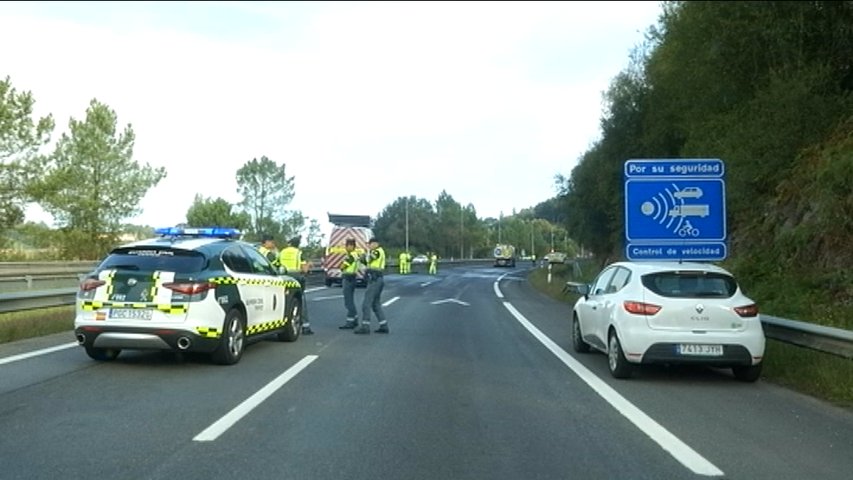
669	312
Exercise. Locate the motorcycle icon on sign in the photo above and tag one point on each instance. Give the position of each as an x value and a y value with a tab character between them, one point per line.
688	230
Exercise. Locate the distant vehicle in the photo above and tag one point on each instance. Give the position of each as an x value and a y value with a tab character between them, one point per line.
689	192
420	259
345	226
666	312
188	290
504	255
315	265
556	257
689	211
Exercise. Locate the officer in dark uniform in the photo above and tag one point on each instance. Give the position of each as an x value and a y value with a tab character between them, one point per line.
375	261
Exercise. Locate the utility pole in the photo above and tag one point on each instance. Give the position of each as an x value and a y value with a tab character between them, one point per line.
407	224
532	249
461	233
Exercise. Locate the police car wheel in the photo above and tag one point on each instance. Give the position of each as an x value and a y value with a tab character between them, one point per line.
233	339
293	327
102	354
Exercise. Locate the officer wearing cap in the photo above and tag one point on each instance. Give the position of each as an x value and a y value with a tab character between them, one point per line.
375	261
349	269
268	249
290	258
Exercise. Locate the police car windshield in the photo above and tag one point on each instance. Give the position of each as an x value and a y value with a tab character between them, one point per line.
178	261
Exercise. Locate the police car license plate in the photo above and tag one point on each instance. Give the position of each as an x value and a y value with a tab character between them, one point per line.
130	313
701	350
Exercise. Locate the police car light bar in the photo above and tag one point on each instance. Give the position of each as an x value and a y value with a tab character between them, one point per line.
212	232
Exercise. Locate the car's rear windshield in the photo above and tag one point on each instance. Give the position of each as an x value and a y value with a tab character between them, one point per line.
153	259
690	284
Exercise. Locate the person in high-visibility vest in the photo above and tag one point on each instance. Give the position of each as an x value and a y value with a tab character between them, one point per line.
375	261
408	262
349	270
402	263
433	262
290	259
268	250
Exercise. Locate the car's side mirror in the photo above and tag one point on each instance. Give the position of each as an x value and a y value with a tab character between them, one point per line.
579	288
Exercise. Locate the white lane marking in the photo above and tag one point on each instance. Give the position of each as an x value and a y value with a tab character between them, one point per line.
496	285
426	284
390	301
669	442
220	426
446	300
326	298
24	356
309	290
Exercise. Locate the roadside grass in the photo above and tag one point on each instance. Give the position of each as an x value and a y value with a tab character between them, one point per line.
813	373
35	323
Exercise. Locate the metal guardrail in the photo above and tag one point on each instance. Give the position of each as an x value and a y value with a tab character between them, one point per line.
21	301
835	341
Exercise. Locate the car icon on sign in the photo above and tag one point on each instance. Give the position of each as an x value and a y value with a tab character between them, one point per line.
689	192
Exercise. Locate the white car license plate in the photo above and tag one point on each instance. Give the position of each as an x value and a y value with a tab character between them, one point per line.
130	313
700	349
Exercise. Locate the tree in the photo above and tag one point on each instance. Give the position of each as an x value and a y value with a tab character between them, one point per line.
390	224
313	247
266	191
205	212
91	182
21	137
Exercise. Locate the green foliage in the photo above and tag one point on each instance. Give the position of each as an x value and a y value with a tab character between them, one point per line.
205	212
35	323
390	225
454	231
91	183
812	373
768	88
266	191
314	241
21	137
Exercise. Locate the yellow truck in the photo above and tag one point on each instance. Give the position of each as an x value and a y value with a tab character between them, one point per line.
504	255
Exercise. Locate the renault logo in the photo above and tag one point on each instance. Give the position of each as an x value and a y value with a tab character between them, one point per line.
700	308
131	282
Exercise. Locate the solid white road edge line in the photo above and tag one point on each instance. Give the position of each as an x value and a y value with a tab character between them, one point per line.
220	426
669	442
24	356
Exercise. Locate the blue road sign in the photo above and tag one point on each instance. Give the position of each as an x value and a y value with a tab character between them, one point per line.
675	251
675	209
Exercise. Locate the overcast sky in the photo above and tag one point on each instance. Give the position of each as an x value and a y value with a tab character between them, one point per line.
363	102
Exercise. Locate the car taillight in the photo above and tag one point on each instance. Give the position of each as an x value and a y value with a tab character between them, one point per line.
747	310
90	284
193	288
640	308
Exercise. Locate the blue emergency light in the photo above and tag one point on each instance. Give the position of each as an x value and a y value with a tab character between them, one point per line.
209	232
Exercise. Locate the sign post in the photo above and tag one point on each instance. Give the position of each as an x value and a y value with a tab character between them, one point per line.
675	209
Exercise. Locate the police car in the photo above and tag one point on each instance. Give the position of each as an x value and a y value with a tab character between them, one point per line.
188	290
